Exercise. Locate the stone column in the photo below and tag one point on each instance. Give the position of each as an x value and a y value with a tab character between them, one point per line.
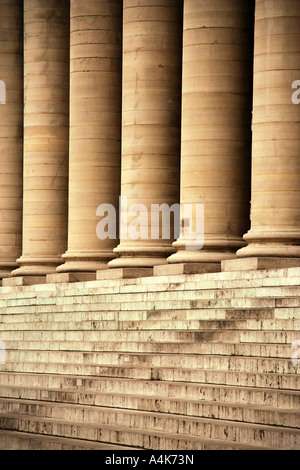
216	128
275	206
11	133
46	95
152	34
95	129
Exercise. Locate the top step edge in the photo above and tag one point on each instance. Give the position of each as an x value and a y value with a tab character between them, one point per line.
233	275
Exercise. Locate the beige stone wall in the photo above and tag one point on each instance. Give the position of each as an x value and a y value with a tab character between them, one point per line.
11	134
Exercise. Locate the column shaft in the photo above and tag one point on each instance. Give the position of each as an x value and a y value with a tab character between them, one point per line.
275	204
152	34
95	129
46	95
216	128
11	134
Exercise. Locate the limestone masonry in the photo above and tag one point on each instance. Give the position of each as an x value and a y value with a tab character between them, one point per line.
150	342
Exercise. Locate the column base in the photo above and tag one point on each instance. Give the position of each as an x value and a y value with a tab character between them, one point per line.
85	262
6	269
23	281
276	244
259	263
36	266
186	268
212	251
124	273
134	256
60	278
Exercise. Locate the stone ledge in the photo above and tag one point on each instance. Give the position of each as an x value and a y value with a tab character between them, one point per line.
123	273
259	263
186	268
60	278
23	281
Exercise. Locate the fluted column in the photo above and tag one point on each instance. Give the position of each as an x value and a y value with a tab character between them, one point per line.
95	129
275	205
46	95
216	128
11	133
152	34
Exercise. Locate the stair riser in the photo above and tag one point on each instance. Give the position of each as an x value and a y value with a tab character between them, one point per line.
226	349
102	359
43	386
130	438
236	412
87	429
168	315
255	281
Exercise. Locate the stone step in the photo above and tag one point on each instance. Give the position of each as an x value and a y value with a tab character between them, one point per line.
271	336
76	388
212	376
275	304
281	277
146	440
158	315
30	314
227	349
156	360
252	379
128	298
231	411
160	324
26	415
14	440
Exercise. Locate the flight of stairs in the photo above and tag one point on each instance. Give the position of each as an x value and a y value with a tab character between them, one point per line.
184	362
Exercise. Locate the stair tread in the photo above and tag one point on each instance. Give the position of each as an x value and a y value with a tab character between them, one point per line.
127	380
79	443
149	397
108	446
133	411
